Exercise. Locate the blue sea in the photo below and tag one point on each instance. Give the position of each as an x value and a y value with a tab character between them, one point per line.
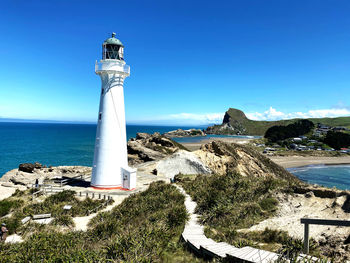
325	175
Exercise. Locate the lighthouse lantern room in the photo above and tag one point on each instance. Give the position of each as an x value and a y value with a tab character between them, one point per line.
110	167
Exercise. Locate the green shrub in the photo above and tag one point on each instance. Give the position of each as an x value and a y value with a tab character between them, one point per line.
6	205
268	204
63	220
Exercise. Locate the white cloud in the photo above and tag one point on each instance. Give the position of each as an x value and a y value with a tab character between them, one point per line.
198	118
189	119
273	114
185	119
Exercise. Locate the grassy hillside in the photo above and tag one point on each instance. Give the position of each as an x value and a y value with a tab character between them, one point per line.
236	122
228	203
146	227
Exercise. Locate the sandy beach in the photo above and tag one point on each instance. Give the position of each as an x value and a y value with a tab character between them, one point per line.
296	161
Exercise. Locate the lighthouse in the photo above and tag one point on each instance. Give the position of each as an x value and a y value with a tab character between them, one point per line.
110	167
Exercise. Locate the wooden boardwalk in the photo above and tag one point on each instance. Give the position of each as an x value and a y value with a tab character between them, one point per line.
194	236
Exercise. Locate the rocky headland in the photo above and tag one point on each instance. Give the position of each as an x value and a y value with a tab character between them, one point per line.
185	133
235	122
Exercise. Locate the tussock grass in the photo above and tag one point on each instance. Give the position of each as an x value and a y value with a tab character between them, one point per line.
231	202
21	205
145	227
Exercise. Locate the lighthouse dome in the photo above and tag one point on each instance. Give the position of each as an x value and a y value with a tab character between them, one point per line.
113	41
112	48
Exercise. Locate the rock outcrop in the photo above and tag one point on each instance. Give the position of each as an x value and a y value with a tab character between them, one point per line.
26	167
184	133
183	162
222	158
151	147
16	177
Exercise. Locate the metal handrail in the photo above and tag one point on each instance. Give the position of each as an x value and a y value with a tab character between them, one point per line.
315	221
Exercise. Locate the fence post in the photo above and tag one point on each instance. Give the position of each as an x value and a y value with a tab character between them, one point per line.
93	195
306	238
87	194
99	196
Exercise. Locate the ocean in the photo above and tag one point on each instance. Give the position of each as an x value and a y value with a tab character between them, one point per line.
56	143
325	175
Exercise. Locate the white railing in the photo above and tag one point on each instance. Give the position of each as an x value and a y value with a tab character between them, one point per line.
112	65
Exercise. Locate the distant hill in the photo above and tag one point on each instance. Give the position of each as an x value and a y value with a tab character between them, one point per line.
236	122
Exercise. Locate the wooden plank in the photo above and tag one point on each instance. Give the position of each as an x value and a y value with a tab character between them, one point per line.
241	252
212	252
264	256
41	216
250	254
25	220
218	250
270	258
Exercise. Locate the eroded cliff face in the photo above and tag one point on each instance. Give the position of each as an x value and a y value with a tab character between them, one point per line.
223	158
151	147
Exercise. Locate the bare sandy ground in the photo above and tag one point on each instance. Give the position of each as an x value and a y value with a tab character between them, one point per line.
6	192
296	161
294	207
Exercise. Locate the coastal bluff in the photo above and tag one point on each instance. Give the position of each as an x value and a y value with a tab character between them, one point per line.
235	122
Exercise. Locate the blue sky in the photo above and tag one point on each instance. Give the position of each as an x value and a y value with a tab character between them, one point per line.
190	60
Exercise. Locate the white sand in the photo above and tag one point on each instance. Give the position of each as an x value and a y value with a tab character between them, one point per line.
6	192
296	161
293	208
14	239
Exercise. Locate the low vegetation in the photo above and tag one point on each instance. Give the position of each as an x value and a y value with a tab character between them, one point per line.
146	227
337	140
20	205
230	203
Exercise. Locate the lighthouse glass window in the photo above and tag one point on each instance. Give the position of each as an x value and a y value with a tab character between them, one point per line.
113	52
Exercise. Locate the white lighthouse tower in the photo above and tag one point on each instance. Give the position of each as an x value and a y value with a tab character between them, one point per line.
110	168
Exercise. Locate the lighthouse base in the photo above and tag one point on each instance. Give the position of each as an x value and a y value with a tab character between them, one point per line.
128	179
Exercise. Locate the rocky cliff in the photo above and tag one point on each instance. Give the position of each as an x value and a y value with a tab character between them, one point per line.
151	147
223	158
